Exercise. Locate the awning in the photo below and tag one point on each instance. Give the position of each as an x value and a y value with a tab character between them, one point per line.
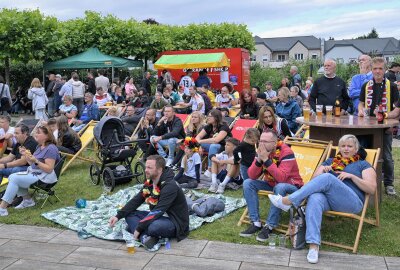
92	58
200	60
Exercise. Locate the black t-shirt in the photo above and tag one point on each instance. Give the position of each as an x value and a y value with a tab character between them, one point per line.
30	144
245	153
391	76
210	132
377	95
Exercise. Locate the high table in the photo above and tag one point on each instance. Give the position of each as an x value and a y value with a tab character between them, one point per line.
333	129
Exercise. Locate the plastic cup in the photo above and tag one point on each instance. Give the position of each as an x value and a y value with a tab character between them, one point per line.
130	247
366	112
329	111
319	111
272	240
306	114
282	240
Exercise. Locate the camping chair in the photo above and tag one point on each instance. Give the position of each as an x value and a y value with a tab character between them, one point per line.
372	158
233	112
87	137
309	156
240	127
47	189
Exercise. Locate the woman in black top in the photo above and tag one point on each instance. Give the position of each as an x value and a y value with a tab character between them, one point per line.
68	140
248	105
268	120
212	136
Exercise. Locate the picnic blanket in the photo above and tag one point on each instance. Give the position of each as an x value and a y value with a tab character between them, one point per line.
93	220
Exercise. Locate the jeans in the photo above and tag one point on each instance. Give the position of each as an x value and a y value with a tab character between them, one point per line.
18	185
325	192
388	165
162	227
212	149
79	103
16	107
250	189
8	171
78	128
243	171
171	143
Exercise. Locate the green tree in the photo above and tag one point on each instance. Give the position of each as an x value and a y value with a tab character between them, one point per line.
372	34
26	35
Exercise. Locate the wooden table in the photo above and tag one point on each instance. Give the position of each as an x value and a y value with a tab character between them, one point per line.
334	129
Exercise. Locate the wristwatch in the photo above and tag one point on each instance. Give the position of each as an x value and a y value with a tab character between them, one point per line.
37	163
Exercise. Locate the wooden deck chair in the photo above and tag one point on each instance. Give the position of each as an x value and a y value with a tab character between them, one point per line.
233	112
303	132
240	126
184	118
87	137
134	135
4	182
372	158
309	155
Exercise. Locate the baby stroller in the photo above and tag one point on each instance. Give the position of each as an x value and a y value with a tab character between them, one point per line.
116	154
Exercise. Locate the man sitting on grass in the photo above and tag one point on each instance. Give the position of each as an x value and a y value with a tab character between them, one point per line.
163	196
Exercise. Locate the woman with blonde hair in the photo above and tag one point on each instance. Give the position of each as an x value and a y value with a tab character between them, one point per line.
39	99
288	108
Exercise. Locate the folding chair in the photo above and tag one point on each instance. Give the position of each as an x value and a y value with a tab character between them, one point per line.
87	137
47	189
372	158
309	155
240	126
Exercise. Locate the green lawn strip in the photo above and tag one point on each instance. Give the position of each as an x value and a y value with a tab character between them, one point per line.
75	183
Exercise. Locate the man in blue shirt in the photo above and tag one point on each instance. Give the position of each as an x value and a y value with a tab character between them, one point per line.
90	112
364	62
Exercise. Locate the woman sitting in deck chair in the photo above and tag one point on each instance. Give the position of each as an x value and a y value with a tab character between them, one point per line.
339	184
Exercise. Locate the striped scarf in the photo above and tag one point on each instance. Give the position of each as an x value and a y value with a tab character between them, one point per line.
339	162
150	193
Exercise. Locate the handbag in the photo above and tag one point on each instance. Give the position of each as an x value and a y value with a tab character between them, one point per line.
297	228
4	101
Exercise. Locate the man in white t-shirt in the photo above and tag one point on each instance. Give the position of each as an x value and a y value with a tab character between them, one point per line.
7	138
102	81
196	101
270	93
187	81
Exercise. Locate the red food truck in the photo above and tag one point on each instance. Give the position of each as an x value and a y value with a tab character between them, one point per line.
238	73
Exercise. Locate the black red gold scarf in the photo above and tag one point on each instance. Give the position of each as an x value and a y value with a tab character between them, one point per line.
275	160
150	193
339	162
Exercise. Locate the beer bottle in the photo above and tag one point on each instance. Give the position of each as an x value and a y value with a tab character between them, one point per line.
337	107
380	114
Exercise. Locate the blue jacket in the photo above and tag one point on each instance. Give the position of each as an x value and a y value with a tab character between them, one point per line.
290	111
93	112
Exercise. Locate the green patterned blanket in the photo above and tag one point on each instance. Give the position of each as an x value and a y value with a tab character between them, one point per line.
93	220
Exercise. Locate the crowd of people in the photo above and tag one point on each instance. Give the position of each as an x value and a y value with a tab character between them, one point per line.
174	153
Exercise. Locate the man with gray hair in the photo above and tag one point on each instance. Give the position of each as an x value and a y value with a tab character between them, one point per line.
364	63
328	88
296	78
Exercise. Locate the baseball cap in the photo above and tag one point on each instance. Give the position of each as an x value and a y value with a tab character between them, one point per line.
261	95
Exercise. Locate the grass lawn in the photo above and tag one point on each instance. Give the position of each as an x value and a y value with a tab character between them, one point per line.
385	240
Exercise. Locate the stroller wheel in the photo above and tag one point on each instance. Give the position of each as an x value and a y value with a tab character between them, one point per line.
95	174
139	172
108	179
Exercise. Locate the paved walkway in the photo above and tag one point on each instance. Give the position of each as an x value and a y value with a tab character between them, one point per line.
30	247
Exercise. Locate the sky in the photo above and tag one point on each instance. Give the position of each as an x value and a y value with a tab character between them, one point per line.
340	19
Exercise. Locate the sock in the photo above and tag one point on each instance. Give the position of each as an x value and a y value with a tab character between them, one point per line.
257	223
226	180
214	178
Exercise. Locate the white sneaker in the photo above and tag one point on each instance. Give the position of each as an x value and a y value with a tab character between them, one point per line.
213	188
25	204
3	212
312	256
207	173
221	189
277	201
169	162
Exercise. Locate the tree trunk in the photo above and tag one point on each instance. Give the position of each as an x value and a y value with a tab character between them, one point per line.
7	70
145	64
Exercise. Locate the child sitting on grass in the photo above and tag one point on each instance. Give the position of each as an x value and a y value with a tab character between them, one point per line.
221	165
189	173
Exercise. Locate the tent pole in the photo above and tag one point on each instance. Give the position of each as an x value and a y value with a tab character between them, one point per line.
43	78
112	73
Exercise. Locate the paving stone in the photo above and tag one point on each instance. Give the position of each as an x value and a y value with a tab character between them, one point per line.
246	253
167	262
31	233
108	258
29	265
187	247
71	238
393	262
332	260
2	241
260	266
5	261
36	251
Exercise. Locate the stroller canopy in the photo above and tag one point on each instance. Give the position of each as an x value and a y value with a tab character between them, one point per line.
105	129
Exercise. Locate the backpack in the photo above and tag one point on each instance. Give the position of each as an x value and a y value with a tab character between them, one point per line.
207	102
297	228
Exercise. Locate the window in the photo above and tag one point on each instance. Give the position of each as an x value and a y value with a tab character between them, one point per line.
265	58
281	57
253	57
298	56
314	56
